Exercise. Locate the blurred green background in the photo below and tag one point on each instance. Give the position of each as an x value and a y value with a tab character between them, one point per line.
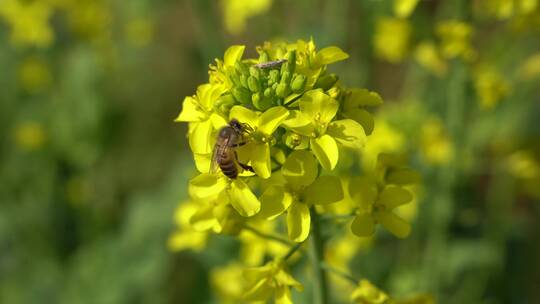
92	165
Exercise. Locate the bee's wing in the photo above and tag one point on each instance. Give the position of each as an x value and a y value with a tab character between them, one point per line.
219	149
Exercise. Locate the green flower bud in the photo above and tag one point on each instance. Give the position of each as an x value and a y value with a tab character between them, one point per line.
253	84
283	90
269	93
273	77
326	82
235	78
255	72
224	103
291	61
285	77
241	68
298	83
263	57
285	68
261	102
242	95
243	81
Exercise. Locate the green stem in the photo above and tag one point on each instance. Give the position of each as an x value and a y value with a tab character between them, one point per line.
340	273
320	288
268	236
292	251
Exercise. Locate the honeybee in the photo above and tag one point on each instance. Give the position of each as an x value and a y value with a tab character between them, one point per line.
224	155
270	64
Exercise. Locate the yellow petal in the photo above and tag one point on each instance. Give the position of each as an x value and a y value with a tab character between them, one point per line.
348	133
243	200
300	169
200	137
233	54
363	225
244	115
218	121
325	190
203	219
260	159
270	120
320	107
362	117
202	162
330	55
299	123
260	291
363	191
404	8
298	222
393	196
274	201
283	296
326	151
393	223
191	111
206	185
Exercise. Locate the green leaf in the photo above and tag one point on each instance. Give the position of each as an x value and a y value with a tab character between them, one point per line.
233	54
243	200
393	223
190	111
348	133
393	196
326	151
200	137
298	222
274	201
325	190
300	169
330	55
270	120
363	225
318	106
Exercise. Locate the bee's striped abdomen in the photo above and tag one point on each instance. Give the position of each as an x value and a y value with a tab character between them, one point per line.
227	165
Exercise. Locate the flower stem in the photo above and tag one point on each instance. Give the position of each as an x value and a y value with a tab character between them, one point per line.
320	288
268	236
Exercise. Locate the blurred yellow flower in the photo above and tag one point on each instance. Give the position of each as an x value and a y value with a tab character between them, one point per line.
29	135
504	9
34	75
530	69
490	87
428	56
270	281
404	8
139	32
436	146
391	40
236	13
384	139
367	293
522	164
254	248
228	283
455	37
186	237
29	22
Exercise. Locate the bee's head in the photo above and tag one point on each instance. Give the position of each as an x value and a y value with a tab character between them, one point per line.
236	125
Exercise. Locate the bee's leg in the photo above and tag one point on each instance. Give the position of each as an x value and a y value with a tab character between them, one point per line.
239	144
244	166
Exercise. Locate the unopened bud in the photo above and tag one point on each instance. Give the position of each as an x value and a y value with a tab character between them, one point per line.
253	84
326	82
298	83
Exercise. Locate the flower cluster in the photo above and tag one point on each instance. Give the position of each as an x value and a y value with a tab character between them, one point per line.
302	137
